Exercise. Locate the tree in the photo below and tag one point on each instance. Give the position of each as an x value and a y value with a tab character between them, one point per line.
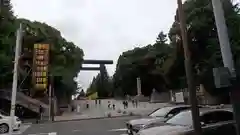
82	93
102	84
7	42
162	65
203	39
146	63
162	38
66	57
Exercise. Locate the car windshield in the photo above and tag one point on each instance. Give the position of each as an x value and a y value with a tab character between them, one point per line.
183	119
162	112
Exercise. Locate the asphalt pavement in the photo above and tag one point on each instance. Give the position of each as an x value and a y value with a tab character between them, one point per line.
107	126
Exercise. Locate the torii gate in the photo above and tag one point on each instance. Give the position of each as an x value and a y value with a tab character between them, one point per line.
101	64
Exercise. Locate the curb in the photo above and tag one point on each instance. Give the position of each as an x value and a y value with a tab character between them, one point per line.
95	118
27	123
81	119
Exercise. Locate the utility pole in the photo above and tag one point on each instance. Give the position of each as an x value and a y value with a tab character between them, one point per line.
15	78
227	56
189	71
50	100
53	104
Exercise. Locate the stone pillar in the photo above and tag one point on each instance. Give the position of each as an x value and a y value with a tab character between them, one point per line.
172	96
139	91
56	109
78	108
69	108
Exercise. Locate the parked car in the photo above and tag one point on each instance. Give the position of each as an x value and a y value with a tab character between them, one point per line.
158	116
5	122
213	122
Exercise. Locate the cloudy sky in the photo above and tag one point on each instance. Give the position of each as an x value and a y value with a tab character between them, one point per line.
102	28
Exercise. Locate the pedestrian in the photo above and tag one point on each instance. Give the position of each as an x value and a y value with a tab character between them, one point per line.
87	105
133	103
99	102
113	106
78	108
96	102
126	104
136	103
39	119
17	110
22	111
72	108
109	106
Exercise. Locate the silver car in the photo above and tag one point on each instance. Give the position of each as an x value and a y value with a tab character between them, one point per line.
213	122
158	116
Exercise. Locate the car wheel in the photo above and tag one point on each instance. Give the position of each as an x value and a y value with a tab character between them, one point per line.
129	132
4	128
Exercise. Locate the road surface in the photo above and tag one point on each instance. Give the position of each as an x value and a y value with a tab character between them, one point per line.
107	126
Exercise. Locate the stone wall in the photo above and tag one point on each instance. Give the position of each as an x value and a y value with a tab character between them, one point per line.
202	95
157	97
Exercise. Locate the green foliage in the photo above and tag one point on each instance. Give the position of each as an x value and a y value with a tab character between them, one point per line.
82	93
65	57
102	85
7	41
203	39
146	63
162	65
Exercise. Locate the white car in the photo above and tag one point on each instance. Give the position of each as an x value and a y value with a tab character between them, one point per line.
5	122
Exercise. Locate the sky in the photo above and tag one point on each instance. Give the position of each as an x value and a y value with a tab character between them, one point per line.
102	28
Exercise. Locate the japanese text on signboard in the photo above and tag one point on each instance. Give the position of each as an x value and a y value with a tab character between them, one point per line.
40	66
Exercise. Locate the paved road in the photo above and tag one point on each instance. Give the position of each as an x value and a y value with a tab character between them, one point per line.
108	126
